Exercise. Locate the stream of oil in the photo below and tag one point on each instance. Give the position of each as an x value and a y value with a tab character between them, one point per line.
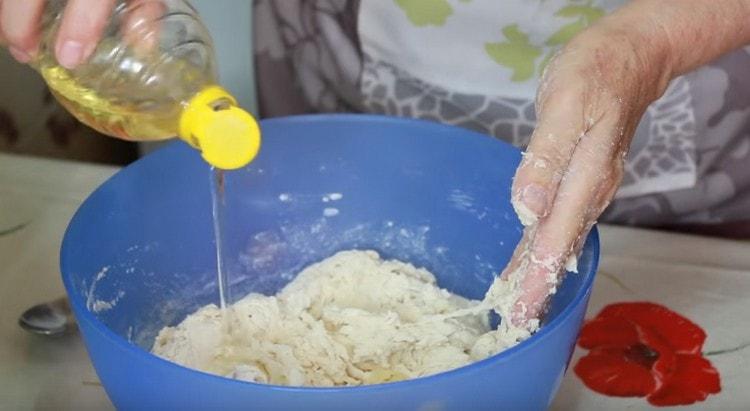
217	211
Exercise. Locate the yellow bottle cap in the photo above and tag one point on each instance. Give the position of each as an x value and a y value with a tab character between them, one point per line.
227	136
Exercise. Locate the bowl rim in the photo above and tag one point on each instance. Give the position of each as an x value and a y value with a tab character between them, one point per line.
84	315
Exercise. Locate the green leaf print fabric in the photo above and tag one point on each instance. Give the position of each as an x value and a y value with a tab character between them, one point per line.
688	160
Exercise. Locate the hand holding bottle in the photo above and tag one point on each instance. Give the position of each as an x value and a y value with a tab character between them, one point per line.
133	69
80	30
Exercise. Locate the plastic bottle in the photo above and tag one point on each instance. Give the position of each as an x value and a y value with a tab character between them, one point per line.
151	77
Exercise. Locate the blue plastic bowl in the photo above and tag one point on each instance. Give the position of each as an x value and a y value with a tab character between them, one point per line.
139	255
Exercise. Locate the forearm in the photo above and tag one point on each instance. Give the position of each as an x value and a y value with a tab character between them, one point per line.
686	33
589	104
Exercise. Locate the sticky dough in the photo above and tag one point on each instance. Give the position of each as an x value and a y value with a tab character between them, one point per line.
351	319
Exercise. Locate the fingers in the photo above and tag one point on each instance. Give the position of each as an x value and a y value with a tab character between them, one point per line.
82	25
560	127
506	287
590	181
19	24
81	28
520	253
590	100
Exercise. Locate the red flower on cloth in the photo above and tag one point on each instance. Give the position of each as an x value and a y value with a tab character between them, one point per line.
642	349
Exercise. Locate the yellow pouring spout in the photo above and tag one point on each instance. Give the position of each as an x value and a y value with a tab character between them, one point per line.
227	136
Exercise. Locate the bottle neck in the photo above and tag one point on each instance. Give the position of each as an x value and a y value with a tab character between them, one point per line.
212	98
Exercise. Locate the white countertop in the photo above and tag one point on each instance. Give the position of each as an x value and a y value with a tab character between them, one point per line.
706	280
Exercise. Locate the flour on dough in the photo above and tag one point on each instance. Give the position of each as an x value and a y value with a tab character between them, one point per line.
351	319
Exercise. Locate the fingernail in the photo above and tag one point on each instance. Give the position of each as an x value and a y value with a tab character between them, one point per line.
20	55
534	197
70	54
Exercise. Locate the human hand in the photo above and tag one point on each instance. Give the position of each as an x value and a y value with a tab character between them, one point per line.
589	103
588	106
80	30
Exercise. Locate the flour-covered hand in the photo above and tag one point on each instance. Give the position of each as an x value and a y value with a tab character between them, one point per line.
589	103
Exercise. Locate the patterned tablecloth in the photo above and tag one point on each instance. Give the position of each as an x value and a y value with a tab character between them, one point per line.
692	283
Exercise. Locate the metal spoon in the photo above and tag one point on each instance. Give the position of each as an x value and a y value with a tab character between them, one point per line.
50	319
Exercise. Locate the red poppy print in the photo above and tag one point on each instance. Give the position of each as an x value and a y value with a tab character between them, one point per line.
642	349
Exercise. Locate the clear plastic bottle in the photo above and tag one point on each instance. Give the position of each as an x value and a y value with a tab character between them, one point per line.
152	76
